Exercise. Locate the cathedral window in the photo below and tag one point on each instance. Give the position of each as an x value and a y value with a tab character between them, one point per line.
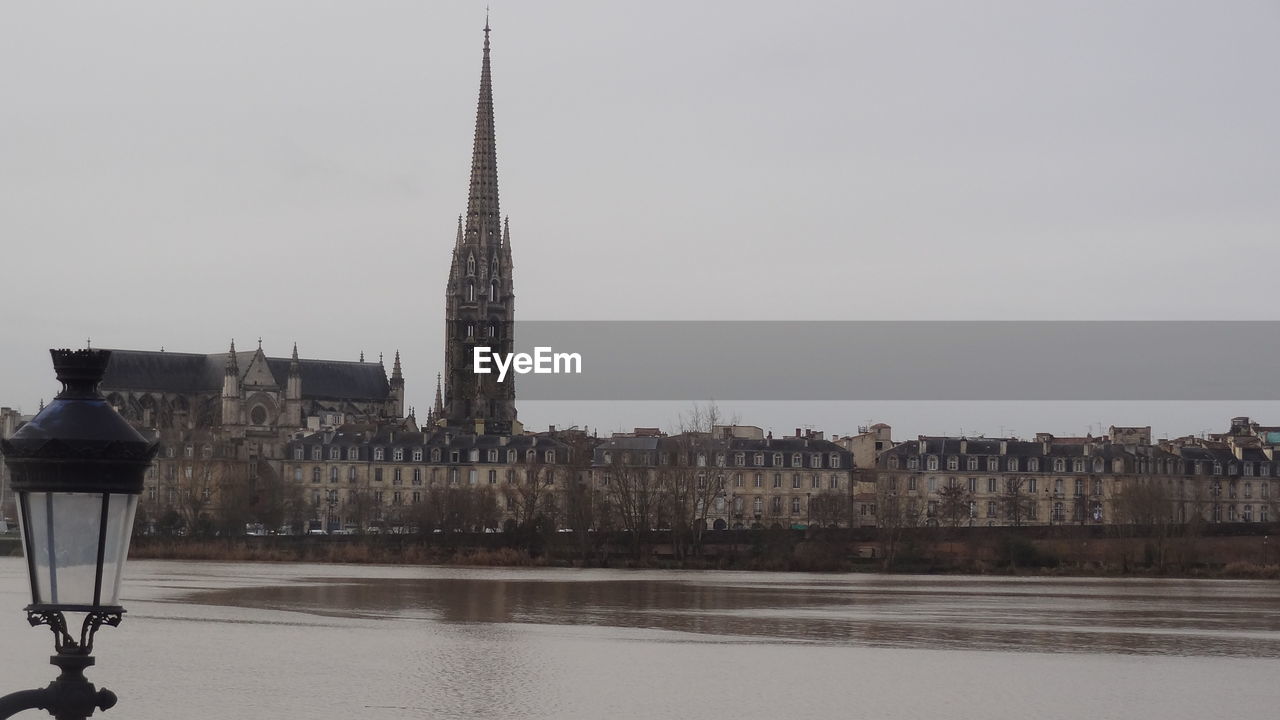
493	292
471	264
471	293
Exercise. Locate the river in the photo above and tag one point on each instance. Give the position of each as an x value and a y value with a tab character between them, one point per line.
258	640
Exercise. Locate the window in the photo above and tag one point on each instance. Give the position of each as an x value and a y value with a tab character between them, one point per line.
1077	465
993	464
953	463
835	460
893	462
190	452
1033	465
933	484
815	482
377	454
911	483
493	477
550	456
333	474
297	474
795	460
815	460
377	474
972	463
759	482
737	480
396	477
719	459
835	482
973	485
1248	490
1217	468
334	452
1058	513
1059	465
315	474
297	453
417	476
739	459
511	457
435	455
777	480
757	505
417	454
1248	469
398	455
795	506
1013	464
1079	487
913	463
1248	513
473	455
351	474
1031	485
777	506
1057	486
315	452
353	453
795	481
991	508
931	463
991	485
777	459
759	459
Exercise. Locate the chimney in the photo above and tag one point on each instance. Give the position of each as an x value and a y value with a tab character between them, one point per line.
798	432
964	446
551	428
1004	447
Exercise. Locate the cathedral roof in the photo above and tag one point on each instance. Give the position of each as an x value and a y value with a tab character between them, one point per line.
149	371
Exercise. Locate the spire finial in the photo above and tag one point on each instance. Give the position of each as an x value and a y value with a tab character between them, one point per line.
295	350
482	202
361	356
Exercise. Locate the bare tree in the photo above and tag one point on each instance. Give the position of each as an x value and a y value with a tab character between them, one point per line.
955	504
830	508
1019	503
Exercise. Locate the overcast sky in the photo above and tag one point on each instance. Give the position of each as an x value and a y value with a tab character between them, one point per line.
181	174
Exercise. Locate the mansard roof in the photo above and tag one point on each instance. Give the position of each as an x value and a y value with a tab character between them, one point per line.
190	373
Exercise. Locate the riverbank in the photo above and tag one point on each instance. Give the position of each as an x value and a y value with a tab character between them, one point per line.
1021	551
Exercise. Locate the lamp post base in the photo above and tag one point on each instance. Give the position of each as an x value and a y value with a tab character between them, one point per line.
69	697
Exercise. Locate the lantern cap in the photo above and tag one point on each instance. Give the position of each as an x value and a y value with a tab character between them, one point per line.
79	443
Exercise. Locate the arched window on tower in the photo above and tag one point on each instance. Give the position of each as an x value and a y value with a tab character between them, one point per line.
471	292
471	264
493	292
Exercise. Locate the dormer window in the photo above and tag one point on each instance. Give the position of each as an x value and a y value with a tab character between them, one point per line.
777	459
417	454
913	463
1077	465
1013	464
334	451
1059	465
993	464
758	460
315	452
1033	465
953	463
795	460
377	453
893	462
435	455
493	456
932	462
397	454
511	456
835	460
973	463
550	456
739	459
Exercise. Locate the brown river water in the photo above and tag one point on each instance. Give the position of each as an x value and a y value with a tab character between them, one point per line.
257	640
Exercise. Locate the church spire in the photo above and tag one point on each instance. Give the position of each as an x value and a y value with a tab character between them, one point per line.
482	202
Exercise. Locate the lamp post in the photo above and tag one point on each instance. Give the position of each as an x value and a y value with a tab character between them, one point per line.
77	470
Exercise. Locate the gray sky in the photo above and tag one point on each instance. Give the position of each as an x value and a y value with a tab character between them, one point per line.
180	174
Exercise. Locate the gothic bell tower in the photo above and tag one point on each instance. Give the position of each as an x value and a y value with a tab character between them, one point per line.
479	298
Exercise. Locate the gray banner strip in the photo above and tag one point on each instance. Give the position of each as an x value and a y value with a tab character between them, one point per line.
818	360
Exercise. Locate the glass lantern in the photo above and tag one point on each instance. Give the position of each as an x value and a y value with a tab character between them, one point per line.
77	469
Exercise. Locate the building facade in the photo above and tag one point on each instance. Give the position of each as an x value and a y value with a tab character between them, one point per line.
1121	478
731	477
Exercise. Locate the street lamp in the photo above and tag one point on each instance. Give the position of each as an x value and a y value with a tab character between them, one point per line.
77	470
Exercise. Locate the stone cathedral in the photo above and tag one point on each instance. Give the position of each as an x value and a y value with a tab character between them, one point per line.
479	296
